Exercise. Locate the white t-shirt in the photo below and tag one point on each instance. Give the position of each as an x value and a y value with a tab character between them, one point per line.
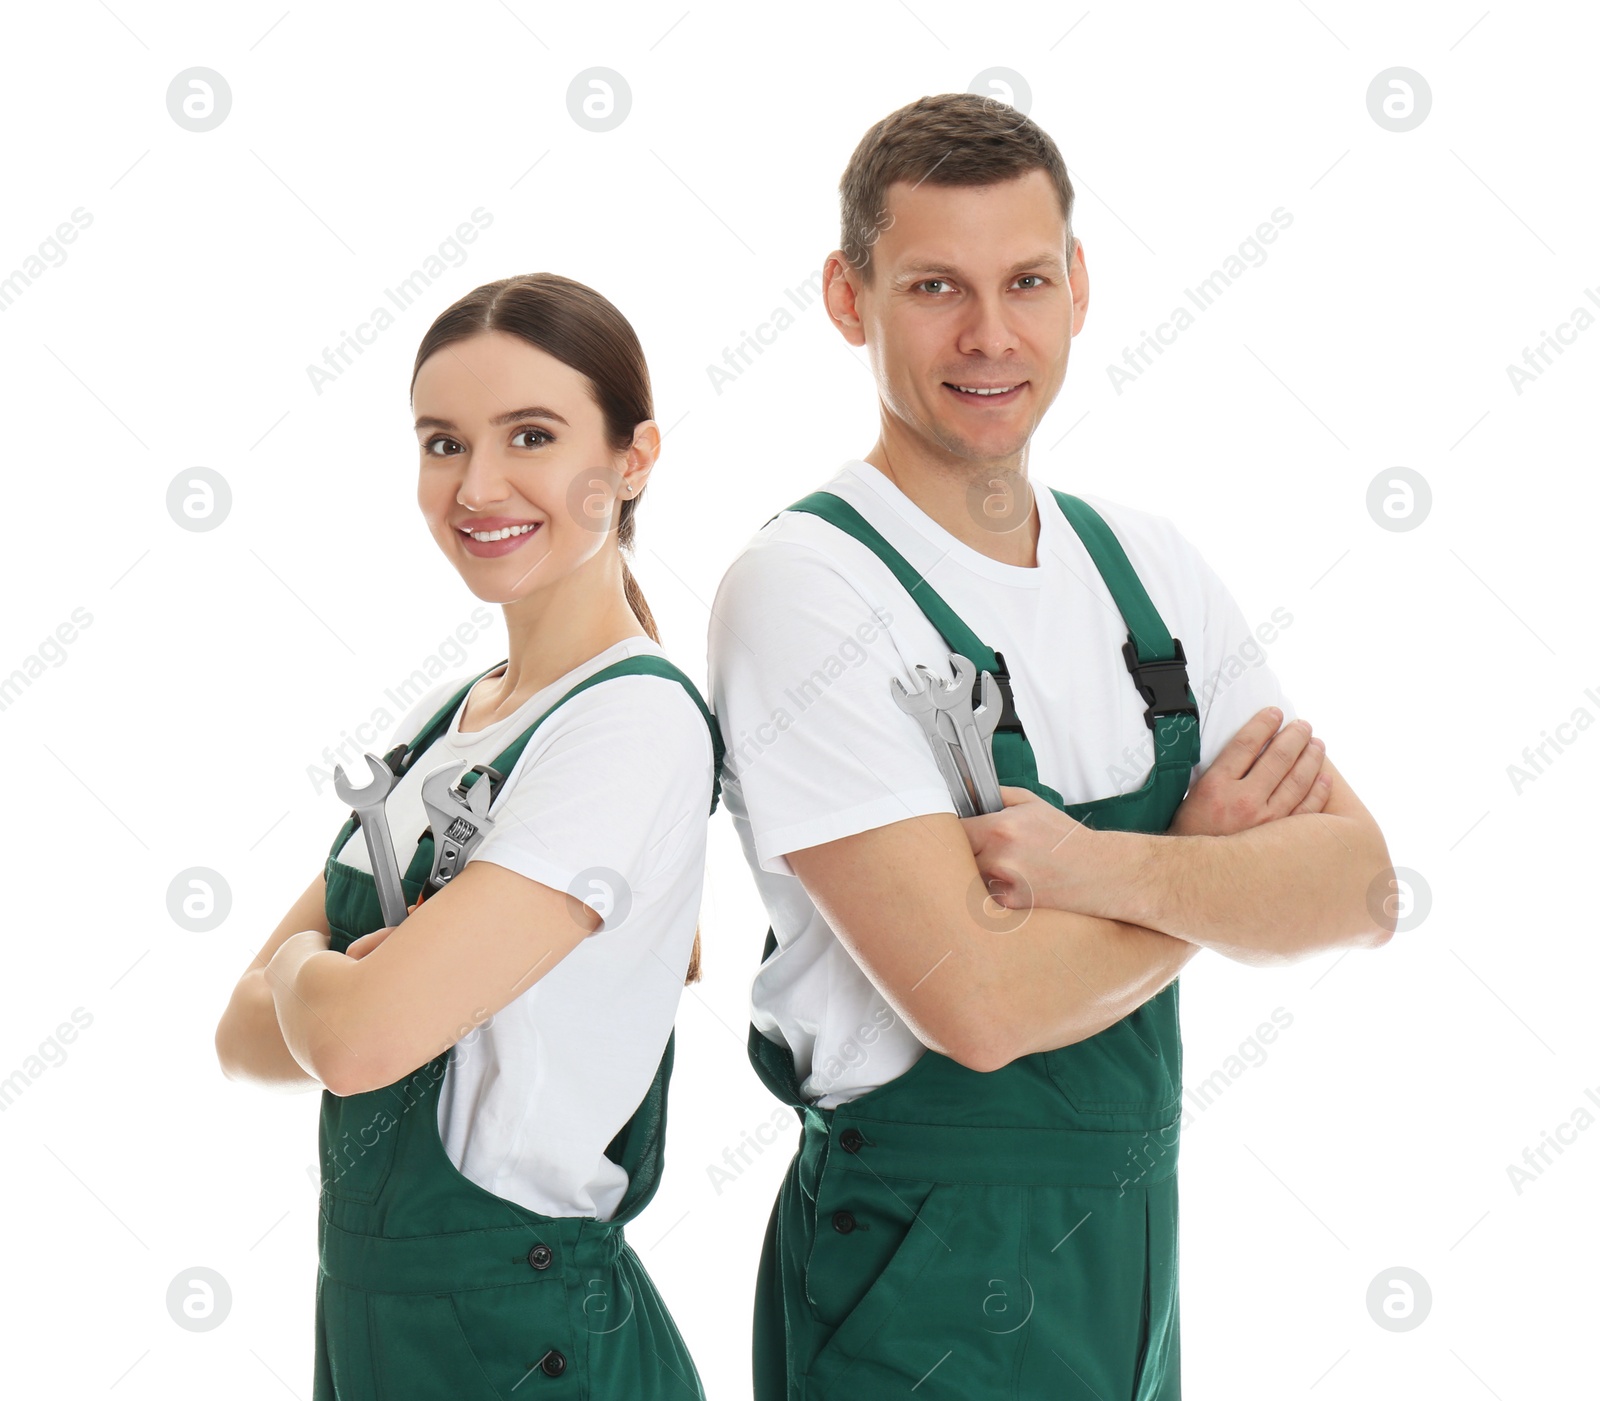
618	778
807	629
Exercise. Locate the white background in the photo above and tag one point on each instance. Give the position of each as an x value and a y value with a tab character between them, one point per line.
182	726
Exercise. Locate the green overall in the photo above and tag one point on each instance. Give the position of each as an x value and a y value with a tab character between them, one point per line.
1010	1234
430	1286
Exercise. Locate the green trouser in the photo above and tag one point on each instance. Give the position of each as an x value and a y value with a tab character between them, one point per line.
430	1286
1006	1234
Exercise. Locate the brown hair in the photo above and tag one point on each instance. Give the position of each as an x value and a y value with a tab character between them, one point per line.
953	138
576	325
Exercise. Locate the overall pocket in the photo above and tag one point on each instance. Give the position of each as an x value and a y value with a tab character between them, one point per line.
421	1352
1159	1378
880	1275
518	1336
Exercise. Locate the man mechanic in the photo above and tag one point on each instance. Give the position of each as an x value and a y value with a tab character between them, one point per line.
976	1018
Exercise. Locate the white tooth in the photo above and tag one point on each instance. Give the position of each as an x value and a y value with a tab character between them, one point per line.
1008	388
489	536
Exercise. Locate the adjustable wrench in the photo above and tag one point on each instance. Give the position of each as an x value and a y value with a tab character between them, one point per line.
960	723
919	704
368	803
459	818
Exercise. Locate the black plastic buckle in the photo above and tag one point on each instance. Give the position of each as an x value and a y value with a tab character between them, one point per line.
1008	706
1163	684
485	772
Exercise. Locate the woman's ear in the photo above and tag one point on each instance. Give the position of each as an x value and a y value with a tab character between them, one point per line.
641	457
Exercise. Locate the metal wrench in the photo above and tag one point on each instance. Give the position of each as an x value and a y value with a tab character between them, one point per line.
459	818
971	727
919	704
368	803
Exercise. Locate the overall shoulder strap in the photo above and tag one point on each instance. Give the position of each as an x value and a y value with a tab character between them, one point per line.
647	665
400	758
1154	657
957	635
839	512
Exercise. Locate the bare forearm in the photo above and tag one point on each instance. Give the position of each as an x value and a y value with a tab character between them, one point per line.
249	1041
1271	894
305	987
1065	977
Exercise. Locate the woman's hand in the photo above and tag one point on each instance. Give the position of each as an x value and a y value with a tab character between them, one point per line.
1247	786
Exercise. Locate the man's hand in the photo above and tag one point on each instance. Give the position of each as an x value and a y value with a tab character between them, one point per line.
1248	785
1031	853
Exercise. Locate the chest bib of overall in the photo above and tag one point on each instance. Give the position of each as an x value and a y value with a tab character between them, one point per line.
431	1286
1010	1234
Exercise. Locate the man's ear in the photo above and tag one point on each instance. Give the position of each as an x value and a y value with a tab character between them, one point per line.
1078	276
840	287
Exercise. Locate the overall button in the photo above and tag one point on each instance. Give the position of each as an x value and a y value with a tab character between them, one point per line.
850	1140
540	1256
844	1222
553	1364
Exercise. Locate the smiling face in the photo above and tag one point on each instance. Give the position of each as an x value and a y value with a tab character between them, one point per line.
513	446
972	292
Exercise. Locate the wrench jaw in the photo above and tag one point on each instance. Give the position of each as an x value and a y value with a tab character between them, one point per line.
372	817
458	817
967	728
919	704
382	783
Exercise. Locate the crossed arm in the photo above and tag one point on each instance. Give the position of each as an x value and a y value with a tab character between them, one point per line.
1258	882
302	1016
922	905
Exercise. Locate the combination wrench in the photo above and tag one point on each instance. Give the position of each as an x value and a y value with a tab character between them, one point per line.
368	803
969	728
919	704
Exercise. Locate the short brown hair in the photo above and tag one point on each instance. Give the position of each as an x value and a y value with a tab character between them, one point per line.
952	138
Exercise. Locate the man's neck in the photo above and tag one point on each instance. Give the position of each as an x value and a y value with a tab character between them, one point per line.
988	507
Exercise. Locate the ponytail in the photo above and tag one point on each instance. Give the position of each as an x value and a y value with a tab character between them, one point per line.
641	611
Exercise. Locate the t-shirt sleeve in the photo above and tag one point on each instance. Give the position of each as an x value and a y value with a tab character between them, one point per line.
1233	680
606	793
800	666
